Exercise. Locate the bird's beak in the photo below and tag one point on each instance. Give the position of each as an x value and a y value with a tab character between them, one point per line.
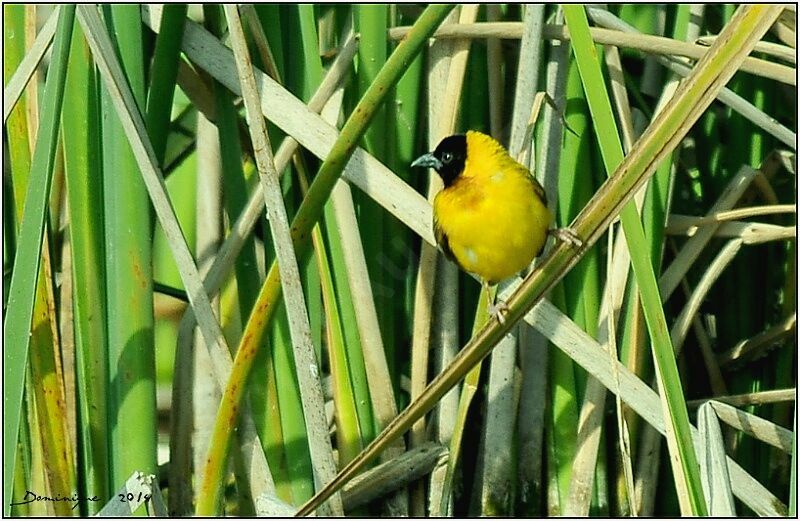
427	161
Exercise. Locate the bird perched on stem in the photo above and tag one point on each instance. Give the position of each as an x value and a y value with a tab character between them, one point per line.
491	217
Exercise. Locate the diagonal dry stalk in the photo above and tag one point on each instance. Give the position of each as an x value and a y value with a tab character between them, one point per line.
224	261
667	130
310	209
307	371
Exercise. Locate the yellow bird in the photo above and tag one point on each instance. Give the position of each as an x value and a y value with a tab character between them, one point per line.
491	217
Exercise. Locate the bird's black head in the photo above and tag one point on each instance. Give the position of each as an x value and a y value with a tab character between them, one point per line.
448	159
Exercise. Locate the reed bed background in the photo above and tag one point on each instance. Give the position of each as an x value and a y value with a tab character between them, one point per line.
170	348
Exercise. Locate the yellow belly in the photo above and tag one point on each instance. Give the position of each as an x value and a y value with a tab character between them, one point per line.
494	227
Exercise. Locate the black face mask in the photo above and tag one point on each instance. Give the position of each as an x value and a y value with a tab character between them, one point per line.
448	159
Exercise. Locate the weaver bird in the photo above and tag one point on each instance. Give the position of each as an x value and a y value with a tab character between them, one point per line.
491	217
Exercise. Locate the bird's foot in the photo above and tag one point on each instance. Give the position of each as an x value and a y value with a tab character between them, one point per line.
568	236
499	310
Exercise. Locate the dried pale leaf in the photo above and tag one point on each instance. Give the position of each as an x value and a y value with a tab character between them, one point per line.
393	474
323	464
685	259
756	398
757	346
642	42
759	428
713	467
681	326
16	85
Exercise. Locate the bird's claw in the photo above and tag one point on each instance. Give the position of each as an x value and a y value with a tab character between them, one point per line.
568	236
498	311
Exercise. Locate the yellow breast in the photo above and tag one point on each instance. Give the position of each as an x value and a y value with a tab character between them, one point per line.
491	217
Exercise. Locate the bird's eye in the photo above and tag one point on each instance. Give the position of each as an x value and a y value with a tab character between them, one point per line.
447	157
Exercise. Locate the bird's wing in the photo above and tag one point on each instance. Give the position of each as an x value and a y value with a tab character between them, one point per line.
442	240
539	189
